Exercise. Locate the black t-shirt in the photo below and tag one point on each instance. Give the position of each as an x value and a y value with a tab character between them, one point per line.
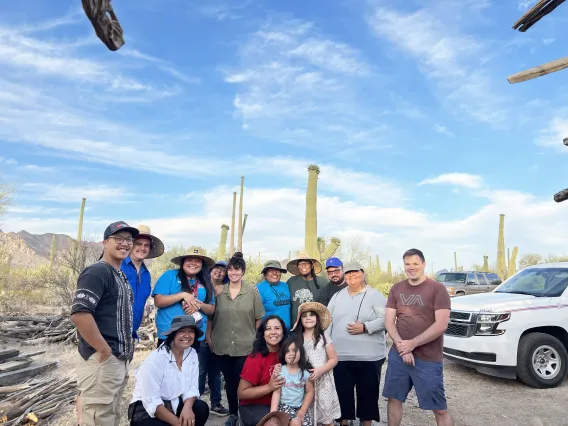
104	292
328	291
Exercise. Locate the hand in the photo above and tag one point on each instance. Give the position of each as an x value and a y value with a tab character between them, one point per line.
405	346
218	289
316	373
277	369
355	328
104	354
209	341
187	417
408	359
275	382
190	300
295	422
187	308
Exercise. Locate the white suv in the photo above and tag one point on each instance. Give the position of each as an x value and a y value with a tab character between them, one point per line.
519	330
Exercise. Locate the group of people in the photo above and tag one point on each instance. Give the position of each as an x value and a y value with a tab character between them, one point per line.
309	351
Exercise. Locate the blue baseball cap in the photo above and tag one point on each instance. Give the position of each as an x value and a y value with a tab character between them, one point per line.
223	264
333	262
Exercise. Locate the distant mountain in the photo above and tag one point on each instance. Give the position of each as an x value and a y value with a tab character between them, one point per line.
31	250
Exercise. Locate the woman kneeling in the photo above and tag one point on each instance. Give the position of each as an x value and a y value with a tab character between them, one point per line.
167	382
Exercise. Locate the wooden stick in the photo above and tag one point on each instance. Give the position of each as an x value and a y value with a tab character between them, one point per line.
13	377
539	71
9	353
4	390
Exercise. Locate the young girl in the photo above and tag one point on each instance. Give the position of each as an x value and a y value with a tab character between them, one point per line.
297	393
313	319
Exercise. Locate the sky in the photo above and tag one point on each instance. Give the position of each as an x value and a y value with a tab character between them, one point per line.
405	106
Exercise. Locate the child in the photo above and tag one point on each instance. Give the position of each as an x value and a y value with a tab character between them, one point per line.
313	319
297	393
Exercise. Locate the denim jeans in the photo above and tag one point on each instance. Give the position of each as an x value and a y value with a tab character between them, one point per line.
209	370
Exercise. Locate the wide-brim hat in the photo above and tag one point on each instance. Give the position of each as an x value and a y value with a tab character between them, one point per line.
157	247
322	311
273	264
292	266
195	251
182	321
282	418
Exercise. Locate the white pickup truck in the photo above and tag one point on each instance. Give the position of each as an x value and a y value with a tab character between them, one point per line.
519	330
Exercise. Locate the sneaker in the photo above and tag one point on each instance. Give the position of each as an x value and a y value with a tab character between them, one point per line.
219	410
233	420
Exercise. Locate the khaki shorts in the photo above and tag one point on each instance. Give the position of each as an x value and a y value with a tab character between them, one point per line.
101	387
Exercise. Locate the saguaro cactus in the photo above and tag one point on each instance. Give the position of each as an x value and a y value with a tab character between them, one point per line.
222	251
52	251
513	263
311	237
501	262
377	264
240	230
485	264
244	223
327	250
389	271
232	242
455	261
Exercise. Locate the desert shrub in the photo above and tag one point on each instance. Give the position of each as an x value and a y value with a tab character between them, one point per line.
383	287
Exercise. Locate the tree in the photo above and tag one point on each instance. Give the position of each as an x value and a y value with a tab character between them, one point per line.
353	249
530	259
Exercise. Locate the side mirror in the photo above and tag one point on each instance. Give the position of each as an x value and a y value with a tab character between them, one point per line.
470	283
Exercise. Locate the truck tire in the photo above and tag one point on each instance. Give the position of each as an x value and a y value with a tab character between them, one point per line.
460	293
542	360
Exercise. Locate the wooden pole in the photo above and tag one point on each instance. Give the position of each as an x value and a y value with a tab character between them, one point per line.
539	71
232	242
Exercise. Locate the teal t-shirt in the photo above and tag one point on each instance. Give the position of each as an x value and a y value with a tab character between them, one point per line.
168	284
276	300
294	387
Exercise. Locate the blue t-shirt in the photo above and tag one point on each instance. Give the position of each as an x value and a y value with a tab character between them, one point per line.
168	284
141	289
294	388
276	299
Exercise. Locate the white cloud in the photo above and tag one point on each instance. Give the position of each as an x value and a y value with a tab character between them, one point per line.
443	130
458	179
525	5
548	41
70	194
553	135
221	10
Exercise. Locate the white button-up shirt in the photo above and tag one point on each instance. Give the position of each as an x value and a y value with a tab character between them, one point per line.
158	379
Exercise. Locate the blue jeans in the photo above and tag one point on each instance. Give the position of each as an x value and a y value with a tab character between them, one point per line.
427	377
209	369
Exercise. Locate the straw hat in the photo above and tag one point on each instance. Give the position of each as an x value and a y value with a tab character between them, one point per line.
292	266
278	418
195	251
318	308
157	248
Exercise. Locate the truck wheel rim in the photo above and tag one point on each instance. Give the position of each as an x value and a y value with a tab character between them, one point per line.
546	362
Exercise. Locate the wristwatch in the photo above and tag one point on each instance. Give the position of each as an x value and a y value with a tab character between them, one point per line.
364	328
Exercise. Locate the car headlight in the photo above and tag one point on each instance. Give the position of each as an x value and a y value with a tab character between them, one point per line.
487	324
451	290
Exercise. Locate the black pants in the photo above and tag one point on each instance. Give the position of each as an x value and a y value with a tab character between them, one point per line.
200	409
366	377
231	367
252	414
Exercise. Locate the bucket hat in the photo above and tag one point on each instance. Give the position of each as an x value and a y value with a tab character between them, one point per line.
278	418
318	308
182	321
195	251
292	266
157	247
273	264
352	266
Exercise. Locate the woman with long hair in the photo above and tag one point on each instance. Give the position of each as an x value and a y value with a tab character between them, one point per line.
261	372
166	390
305	285
185	291
237	316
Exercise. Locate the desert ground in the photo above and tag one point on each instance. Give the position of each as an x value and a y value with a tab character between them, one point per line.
474	399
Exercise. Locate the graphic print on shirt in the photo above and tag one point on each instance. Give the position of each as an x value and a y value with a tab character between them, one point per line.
411	300
303	295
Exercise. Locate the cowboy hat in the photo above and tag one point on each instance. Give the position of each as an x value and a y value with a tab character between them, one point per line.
182	321
273	264
156	247
318	308
279	417
195	251
292	266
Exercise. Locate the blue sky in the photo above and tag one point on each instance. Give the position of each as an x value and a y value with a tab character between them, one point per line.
404	105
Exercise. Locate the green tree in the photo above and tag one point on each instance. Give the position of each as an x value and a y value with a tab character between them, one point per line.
530	259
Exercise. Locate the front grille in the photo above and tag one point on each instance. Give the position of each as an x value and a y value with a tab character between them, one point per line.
460	330
460	316
476	356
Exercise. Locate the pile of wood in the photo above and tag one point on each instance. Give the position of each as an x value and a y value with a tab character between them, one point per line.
33	330
34	401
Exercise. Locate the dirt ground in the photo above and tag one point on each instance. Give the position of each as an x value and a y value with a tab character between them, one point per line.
473	399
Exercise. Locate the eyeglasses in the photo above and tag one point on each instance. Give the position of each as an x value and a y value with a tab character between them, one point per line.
120	240
334	272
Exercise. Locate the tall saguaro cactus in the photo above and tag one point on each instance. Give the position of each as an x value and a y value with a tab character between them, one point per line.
222	252
77	245
455	261
311	238
232	241
240	230
513	262
485	264
501	262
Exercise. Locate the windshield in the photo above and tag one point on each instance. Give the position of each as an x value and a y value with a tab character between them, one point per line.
548	282
448	277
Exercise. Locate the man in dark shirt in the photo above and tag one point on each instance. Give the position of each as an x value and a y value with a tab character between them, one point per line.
102	312
334	269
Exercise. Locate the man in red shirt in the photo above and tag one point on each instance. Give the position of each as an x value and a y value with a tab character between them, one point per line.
416	317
